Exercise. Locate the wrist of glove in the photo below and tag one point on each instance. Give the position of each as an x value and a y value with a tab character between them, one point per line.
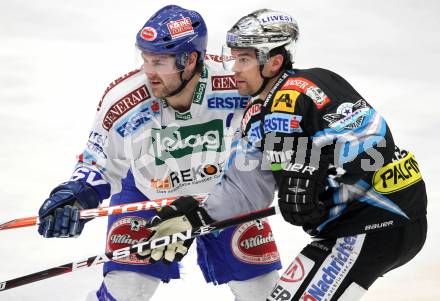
300	196
183	214
60	213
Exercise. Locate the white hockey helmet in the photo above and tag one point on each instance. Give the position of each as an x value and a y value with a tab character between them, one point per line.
264	30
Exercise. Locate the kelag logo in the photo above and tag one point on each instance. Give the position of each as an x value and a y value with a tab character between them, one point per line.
177	142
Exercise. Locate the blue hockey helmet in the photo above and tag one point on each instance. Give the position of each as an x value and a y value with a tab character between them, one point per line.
174	30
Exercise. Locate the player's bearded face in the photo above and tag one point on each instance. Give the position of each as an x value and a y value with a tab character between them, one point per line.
247	70
162	73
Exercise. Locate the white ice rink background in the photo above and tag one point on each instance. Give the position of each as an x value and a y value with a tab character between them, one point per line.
57	57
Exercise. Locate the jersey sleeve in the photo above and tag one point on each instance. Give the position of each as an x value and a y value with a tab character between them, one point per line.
101	164
109	151
321	110
247	183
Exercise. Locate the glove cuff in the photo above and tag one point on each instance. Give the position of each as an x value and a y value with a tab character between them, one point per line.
85	195
196	215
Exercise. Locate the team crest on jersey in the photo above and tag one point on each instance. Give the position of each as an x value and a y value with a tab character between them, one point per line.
348	116
284	101
180	28
126	232
253	243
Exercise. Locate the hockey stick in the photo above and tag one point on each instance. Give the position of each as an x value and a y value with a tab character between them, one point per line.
148	245
101	211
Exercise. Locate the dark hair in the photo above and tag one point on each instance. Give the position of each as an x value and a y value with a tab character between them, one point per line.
287	58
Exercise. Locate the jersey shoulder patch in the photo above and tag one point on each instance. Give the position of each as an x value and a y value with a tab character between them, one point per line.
128	104
299	83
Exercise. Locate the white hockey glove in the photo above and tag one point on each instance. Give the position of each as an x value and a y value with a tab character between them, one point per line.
183	214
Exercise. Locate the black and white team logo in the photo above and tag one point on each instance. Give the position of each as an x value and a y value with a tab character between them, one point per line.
348	115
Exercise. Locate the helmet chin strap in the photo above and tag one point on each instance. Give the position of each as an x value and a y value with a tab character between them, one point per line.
183	83
265	81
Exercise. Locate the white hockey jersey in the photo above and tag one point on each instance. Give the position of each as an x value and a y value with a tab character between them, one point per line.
170	153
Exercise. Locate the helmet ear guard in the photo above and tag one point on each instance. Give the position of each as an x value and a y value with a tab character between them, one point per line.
181	60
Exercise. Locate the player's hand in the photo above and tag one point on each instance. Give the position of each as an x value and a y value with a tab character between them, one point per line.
301	196
59	214
183	214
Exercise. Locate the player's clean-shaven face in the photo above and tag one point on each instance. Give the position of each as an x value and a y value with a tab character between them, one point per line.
162	73
247	71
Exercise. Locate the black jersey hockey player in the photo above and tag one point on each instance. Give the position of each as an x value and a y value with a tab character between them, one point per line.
332	157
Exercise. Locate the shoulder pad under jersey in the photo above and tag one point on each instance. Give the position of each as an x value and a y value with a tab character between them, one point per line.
128	95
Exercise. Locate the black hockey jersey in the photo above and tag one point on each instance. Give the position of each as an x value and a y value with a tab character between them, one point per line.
315	114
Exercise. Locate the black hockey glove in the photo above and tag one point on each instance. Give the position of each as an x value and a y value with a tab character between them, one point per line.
59	214
183	214
301	194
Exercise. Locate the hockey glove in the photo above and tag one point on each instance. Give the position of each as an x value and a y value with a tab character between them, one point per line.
300	195
183	214
59	214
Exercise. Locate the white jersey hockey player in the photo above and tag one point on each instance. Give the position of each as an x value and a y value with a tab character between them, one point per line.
159	132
